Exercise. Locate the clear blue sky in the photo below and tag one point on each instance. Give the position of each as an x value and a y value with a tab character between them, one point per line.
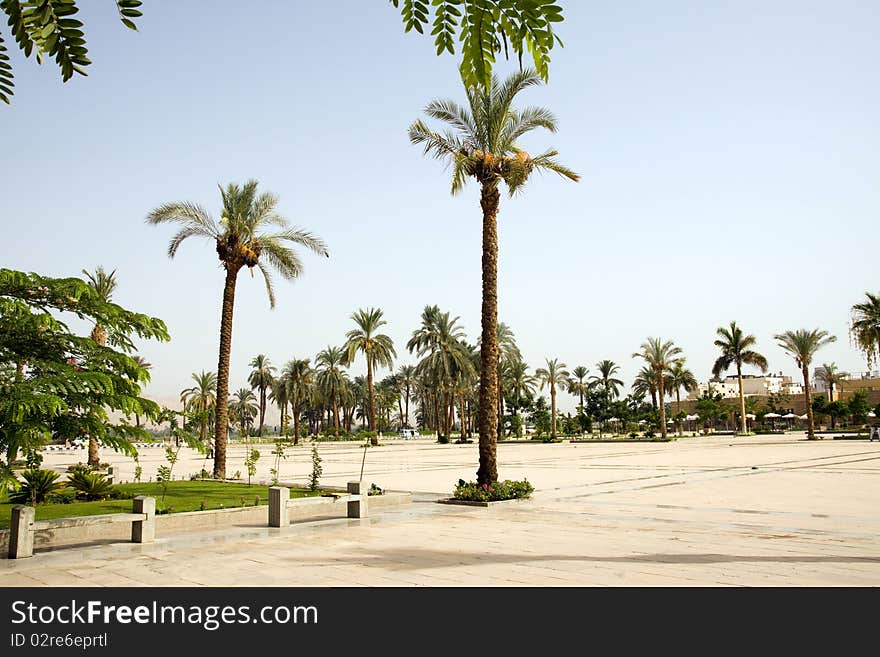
729	151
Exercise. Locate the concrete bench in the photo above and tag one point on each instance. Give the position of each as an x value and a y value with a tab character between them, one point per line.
280	503
23	526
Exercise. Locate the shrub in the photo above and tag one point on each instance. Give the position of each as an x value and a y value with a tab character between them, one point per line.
38	486
90	485
62	497
375	490
443	440
508	489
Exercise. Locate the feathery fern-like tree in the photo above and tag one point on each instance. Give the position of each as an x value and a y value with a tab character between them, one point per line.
802	345
482	143
250	233
736	349
47	29
486	29
56	383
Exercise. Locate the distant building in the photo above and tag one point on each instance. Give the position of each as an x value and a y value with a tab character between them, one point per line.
753	385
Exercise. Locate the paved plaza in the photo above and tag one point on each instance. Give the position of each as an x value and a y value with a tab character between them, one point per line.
760	511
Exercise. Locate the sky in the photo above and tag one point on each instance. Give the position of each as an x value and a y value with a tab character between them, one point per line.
729	154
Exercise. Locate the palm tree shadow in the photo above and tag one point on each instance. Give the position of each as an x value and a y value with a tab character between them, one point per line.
419	559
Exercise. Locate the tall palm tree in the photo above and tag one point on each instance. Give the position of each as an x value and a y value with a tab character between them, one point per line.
659	356
279	392
678	377
378	350
831	376
201	399
104	284
297	377
802	346
246	407
577	385
645	383
520	382
553	375
250	233
736	350
331	378
482	144
406	379
865	327
605	379
261	378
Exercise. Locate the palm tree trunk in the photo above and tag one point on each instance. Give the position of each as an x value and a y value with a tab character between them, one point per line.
335	414
462	416
400	408
488	471
500	409
742	399
374	440
662	404
99	336
294	410
262	408
222	409
807	401
407	406
552	410
678	408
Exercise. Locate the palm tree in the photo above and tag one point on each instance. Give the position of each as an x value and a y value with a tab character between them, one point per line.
607	370
483	145
104	284
406	380
508	352
331	378
659	356
261	378
246	407
802	346
201	399
831	376
378	350
865	327
553	375
143	364
241	241
736	350
520	382
577	386
678	377
445	358
645	383
280	394
297	377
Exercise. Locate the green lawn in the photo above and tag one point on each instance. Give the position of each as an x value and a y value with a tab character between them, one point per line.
181	496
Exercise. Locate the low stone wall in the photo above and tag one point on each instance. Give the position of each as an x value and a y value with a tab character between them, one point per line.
255	516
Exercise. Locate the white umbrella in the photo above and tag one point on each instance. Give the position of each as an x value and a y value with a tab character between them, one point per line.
613	419
789	416
692	417
670	421
802	417
750	416
643	422
872	414
772	415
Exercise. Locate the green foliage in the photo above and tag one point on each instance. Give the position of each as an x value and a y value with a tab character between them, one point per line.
859	407
38	487
250	462
375	490
56	383
90	485
499	490
280	445
317	470
485	28
46	29
443	440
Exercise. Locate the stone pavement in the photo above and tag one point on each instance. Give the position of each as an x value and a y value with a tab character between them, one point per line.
763	511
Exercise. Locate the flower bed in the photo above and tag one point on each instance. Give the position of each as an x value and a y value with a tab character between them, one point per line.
470	491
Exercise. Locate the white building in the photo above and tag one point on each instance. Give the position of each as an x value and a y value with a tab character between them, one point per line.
753	385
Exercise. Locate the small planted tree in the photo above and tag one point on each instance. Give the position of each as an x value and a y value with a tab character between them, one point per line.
250	462
317	470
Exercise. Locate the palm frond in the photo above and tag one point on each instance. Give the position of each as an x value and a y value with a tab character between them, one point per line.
547	161
435	144
453	114
270	290
285	260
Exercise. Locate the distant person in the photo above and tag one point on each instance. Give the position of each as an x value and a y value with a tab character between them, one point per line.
875	433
